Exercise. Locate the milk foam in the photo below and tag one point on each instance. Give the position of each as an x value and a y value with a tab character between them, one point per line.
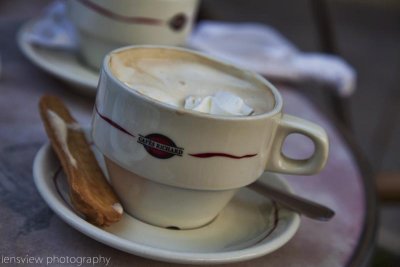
173	80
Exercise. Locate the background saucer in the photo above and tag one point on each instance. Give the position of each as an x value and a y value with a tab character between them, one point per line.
249	227
64	65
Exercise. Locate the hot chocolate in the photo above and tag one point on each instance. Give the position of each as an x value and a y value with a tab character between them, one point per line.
186	81
179	169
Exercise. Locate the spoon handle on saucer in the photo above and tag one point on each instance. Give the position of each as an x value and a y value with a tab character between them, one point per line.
301	205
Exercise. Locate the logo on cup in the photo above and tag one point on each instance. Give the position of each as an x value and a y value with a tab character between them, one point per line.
160	146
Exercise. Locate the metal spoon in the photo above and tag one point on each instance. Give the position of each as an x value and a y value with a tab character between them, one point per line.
301	205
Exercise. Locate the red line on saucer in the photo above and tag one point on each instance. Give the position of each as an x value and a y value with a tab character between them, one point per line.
112	123
56	176
210	155
275	223
105	12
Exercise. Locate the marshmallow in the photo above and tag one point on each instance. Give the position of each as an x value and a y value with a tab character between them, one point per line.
221	103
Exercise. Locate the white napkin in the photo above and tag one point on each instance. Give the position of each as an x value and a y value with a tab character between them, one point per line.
250	46
262	49
53	29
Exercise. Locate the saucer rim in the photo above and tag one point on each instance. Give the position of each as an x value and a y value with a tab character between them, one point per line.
86	86
70	217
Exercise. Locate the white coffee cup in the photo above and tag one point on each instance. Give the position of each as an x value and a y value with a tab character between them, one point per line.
178	168
104	25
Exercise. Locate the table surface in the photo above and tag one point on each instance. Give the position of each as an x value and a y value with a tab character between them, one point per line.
29	227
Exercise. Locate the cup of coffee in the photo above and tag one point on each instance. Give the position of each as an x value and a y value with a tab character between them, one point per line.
104	25
181	132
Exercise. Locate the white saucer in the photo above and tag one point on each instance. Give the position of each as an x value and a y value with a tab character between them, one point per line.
60	63
249	227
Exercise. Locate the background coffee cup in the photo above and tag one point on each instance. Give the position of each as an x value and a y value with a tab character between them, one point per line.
104	25
176	168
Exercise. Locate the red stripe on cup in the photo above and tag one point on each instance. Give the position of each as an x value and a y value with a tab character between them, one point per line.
213	154
112	123
107	13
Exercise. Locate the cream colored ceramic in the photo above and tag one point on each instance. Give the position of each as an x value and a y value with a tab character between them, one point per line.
164	205
248	227
169	153
104	25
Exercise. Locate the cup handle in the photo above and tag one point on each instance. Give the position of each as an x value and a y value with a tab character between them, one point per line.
278	162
